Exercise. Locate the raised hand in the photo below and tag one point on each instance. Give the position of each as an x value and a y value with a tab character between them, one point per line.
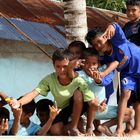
3	126
54	111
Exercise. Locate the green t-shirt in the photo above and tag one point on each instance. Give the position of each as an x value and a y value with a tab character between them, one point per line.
62	94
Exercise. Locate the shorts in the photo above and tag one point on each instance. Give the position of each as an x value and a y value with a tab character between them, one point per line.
132	83
66	112
109	113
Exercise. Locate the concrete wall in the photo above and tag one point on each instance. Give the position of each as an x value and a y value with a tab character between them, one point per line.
22	66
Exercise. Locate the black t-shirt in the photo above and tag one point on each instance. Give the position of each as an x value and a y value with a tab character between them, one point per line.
132	32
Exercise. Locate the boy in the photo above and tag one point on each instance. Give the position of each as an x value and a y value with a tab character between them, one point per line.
122	55
46	113
64	89
132	28
21	125
43	111
77	48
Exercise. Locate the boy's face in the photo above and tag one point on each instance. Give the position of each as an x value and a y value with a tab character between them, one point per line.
61	67
133	12
43	117
76	51
91	62
100	44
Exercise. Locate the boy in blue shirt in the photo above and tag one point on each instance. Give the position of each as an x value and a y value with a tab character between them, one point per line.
122	55
132	28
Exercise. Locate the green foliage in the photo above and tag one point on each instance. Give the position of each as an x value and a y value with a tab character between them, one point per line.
116	5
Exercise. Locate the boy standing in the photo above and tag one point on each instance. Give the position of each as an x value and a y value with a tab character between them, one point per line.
122	55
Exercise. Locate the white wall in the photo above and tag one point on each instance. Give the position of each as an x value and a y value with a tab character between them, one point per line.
22	66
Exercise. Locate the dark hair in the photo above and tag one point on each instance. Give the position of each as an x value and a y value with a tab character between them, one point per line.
92	34
43	105
4	113
90	52
133	2
79	44
61	54
29	107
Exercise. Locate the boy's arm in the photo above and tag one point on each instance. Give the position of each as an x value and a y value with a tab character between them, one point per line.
17	115
24	100
111	67
108	79
72	65
54	111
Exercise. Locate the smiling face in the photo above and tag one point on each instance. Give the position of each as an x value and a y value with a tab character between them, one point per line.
133	12
61	67
101	44
91	62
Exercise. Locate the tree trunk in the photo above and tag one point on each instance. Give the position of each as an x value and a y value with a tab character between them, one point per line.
75	20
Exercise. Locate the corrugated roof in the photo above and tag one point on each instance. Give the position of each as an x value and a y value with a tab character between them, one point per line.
30	16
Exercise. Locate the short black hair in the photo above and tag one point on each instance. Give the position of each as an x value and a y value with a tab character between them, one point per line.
92	34
4	113
79	44
132	2
90	52
43	105
29	107
61	54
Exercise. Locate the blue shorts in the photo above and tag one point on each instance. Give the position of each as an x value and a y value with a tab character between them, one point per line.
109	113
132	83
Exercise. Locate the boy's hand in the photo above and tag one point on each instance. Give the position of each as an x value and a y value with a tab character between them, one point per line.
76	63
102	106
54	111
96	76
13	102
17	112
4	126
109	32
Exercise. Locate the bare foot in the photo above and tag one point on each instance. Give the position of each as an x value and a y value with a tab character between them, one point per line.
90	132
104	129
119	133
75	132
133	133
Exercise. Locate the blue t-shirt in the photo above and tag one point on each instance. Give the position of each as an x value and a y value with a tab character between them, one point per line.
23	131
98	89
125	52
132	32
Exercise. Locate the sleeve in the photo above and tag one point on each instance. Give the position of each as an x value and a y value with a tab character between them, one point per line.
43	87
119	36
108	79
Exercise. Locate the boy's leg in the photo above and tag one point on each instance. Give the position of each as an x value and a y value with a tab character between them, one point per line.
76	112
121	111
57	129
92	109
136	130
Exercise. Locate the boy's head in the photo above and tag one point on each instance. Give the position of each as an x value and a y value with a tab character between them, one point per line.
133	10
91	57
61	58
27	111
4	113
95	38
76	48
42	110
